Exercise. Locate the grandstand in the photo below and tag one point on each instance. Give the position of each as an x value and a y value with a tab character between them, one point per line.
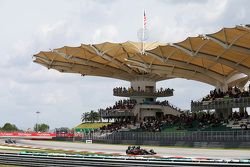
221	59
224	102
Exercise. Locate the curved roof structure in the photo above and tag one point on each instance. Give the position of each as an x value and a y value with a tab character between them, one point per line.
221	58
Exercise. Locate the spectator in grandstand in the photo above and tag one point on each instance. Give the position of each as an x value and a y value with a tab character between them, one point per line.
116	126
217	95
123	104
118	90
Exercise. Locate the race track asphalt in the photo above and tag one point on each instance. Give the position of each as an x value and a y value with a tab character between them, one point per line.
161	150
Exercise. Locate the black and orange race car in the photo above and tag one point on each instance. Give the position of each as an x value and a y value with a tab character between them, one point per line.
137	150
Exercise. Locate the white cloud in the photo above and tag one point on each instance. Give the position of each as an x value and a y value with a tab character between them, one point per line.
106	33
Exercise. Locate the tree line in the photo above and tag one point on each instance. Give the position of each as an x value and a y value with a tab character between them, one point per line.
8	127
91	116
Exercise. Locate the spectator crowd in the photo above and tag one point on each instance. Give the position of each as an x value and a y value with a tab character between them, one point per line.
218	96
232	92
119	90
185	121
116	126
122	104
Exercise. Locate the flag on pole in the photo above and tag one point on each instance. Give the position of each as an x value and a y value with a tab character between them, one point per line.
144	20
143	31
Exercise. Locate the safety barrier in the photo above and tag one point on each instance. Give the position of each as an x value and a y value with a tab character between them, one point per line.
194	136
30	135
78	160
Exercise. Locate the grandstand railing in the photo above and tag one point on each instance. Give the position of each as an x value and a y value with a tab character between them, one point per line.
196	136
115	113
159	104
175	107
165	93
221	104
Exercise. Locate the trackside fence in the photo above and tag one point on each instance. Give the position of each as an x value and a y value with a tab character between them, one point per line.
196	136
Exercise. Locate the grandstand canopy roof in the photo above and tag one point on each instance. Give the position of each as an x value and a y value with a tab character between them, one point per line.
221	58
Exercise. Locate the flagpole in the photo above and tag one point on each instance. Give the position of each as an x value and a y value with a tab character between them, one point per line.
143	31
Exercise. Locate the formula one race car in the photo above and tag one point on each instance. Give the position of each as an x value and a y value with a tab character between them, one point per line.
10	141
137	150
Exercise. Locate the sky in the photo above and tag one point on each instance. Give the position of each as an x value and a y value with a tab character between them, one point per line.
28	27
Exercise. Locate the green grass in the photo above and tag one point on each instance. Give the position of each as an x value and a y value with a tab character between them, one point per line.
95	125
